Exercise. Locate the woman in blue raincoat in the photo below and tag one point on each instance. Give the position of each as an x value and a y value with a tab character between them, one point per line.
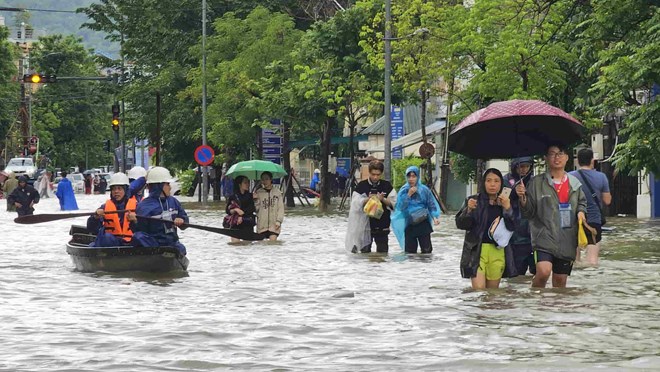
65	194
415	210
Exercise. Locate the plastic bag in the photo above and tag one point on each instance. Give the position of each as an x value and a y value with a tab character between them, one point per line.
358	231
373	208
582	236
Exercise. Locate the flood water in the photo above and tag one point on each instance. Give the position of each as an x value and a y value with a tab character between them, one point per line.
305	304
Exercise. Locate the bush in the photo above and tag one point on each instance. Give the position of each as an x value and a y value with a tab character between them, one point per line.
399	167
186	179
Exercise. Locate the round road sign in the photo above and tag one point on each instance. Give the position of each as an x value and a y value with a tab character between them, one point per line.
204	155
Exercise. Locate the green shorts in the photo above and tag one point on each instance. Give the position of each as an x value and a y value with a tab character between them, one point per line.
491	261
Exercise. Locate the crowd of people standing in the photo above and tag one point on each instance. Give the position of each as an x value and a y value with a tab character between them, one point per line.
515	224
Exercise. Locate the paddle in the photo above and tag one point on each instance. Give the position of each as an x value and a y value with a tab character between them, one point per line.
39	218
234	233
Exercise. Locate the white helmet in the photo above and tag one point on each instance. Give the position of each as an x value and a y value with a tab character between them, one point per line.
137	172
317	170
118	179
158	175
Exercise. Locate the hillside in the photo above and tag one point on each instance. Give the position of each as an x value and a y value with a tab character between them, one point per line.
48	23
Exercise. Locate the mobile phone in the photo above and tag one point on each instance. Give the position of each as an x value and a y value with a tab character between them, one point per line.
506	191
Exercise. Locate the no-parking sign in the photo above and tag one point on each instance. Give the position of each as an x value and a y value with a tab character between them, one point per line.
204	155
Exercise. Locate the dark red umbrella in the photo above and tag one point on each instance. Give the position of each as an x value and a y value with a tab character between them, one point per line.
514	128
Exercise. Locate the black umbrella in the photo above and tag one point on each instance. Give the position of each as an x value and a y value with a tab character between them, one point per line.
514	128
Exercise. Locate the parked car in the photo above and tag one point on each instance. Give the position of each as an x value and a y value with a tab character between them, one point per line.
175	186
22	167
77	182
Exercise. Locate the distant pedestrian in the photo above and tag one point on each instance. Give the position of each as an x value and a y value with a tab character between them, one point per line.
11	183
43	184
485	260
416	209
23	197
65	194
88	183
597	191
522	170
138	181
103	185
553	203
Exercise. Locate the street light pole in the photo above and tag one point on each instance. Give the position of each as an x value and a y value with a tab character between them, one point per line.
205	175
388	95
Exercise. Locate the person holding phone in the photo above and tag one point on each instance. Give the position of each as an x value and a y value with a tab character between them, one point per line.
522	170
483	261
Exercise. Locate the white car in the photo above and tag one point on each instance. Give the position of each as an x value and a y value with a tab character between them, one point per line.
175	186
22	167
77	181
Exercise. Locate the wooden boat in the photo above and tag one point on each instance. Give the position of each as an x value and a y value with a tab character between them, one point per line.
122	259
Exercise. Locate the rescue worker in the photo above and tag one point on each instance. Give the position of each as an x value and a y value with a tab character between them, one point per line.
114	229
159	204
24	197
136	176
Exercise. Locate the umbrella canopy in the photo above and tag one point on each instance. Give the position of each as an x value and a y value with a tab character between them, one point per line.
252	169
514	128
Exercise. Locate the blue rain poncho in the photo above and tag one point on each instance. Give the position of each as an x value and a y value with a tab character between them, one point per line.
66	196
408	205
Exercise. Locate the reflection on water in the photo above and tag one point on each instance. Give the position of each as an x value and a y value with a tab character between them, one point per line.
302	303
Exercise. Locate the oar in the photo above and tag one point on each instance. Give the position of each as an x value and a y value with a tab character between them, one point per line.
234	233
39	218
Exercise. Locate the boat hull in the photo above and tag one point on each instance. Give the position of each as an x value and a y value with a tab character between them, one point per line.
122	259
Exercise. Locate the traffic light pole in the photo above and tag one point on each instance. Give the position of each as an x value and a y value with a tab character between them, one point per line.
123	139
114	152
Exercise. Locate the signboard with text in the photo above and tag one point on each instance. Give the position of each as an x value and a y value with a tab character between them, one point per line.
271	142
396	128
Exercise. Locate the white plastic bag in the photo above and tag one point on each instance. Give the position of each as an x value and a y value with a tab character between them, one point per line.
358	231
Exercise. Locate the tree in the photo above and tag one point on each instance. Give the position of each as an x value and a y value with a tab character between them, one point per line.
626	38
71	118
9	91
335	79
238	53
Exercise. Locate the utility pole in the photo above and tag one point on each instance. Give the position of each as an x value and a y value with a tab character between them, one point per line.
388	95
205	175
444	171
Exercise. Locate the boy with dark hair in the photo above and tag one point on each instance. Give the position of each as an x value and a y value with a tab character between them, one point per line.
553	202
374	185
597	190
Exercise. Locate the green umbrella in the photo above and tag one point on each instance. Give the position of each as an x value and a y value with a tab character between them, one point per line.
252	169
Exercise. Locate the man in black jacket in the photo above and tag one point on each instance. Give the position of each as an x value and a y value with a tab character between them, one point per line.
24	197
380	228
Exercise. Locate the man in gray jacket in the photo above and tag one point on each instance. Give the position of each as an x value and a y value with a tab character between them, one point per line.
553	203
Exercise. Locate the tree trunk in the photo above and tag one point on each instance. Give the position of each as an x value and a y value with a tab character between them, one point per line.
286	162
324	201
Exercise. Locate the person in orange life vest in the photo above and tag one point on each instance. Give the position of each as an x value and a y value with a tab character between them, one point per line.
114	229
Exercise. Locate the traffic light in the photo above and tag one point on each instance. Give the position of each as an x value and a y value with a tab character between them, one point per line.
115	117
106	145
39	78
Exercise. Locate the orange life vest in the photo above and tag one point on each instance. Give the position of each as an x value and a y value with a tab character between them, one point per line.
111	221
